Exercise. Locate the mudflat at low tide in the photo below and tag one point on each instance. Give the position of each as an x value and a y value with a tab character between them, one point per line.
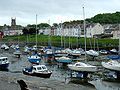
8	79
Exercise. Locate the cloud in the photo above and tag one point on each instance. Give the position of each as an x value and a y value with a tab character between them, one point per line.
55	10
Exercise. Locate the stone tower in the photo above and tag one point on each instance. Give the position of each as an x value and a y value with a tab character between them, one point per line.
13	23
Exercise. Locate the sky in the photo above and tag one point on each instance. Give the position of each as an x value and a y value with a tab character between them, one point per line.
53	11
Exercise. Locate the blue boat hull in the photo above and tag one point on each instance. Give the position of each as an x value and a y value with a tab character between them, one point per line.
64	61
114	57
4	66
34	61
48	55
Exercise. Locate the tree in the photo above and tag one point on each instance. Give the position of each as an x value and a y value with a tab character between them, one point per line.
32	31
55	25
43	25
25	31
107	18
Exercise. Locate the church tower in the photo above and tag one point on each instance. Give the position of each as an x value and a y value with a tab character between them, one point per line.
13	23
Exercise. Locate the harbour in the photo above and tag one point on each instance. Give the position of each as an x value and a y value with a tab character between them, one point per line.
59	45
60	78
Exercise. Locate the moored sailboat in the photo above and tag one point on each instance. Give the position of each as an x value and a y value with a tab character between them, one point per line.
4	46
64	59
81	66
34	58
17	51
92	53
112	65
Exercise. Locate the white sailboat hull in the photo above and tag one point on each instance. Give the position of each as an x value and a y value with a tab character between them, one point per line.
92	53
111	65
84	67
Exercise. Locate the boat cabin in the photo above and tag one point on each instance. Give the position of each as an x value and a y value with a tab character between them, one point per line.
39	68
3	60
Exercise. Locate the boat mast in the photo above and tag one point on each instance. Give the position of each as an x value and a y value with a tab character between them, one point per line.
84	30
119	40
49	38
64	37
18	38
36	30
69	35
78	37
61	34
27	38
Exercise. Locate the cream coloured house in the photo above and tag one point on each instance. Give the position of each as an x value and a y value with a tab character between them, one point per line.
68	31
94	29
116	34
75	30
